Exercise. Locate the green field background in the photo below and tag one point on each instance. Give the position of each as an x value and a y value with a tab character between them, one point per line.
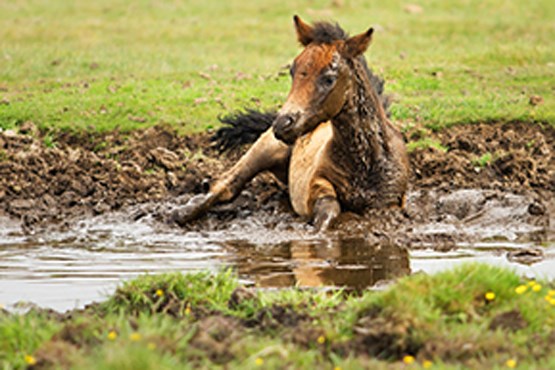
107	65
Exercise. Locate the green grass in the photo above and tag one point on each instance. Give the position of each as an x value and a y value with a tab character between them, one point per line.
104	65
444	318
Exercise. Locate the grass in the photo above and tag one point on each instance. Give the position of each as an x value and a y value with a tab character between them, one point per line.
443	321
108	65
484	160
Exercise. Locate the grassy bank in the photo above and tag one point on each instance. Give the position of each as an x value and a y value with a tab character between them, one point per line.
477	316
119	64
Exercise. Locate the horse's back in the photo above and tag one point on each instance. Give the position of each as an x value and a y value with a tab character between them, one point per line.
309	160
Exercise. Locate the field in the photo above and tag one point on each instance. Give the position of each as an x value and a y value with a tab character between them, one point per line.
108	106
116	64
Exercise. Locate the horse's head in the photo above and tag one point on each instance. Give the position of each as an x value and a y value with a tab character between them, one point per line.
322	79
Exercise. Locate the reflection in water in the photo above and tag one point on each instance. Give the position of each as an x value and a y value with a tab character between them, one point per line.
352	263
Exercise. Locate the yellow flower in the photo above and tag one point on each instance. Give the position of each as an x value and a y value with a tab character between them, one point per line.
30	360
551	293
511	363
426	364
135	337
521	289
490	296
259	361
151	346
531	283
187	310
159	292
551	301
112	335
337	368
321	339
536	287
408	359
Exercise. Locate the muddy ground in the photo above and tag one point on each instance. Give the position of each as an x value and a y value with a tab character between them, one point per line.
50	180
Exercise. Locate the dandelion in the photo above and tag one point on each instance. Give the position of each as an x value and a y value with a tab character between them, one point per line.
551	301
112	335
490	296
135	337
408	359
521	289
426	364
151	346
321	339
30	360
531	283
259	361
187	310
337	368
511	363
536	287
551	293
159	292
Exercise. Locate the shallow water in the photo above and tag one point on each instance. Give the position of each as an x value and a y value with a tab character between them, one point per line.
68	269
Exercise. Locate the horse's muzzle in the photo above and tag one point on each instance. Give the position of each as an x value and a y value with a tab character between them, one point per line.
283	128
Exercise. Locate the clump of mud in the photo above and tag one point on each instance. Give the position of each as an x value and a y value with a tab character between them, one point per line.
77	175
513	156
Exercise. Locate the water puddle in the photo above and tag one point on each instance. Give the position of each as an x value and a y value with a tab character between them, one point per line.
68	269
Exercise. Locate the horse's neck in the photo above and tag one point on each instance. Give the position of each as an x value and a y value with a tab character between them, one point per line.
359	127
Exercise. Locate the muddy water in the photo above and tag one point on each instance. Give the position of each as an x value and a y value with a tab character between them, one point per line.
63	269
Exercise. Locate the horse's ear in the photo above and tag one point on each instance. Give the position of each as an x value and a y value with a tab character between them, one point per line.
358	44
305	33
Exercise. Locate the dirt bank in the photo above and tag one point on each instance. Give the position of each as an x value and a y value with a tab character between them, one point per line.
53	179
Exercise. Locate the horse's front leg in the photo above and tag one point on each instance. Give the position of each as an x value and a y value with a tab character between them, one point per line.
326	207
267	153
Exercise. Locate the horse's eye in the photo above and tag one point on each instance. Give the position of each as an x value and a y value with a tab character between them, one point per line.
292	71
328	80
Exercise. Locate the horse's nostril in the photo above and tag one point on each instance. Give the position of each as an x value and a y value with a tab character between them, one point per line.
284	122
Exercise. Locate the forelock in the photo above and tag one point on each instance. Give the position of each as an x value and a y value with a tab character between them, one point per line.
327	33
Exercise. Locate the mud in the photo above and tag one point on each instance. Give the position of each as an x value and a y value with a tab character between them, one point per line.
52	181
522	158
92	208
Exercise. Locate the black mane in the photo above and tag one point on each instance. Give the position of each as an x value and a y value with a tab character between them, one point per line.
327	33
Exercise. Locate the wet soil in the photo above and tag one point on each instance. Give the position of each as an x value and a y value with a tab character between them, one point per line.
55	181
50	181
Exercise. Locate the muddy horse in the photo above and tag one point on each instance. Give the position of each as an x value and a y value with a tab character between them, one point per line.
331	142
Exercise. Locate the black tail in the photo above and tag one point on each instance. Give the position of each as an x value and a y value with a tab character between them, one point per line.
242	128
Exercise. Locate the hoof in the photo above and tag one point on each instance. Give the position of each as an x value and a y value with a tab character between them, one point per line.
326	211
195	208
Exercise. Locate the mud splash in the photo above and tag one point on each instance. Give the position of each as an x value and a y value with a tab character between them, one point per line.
64	243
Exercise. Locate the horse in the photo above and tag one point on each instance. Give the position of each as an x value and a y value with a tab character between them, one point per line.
332	141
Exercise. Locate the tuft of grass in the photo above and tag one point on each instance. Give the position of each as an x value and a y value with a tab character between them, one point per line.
484	160
49	141
22	335
425	143
156	293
